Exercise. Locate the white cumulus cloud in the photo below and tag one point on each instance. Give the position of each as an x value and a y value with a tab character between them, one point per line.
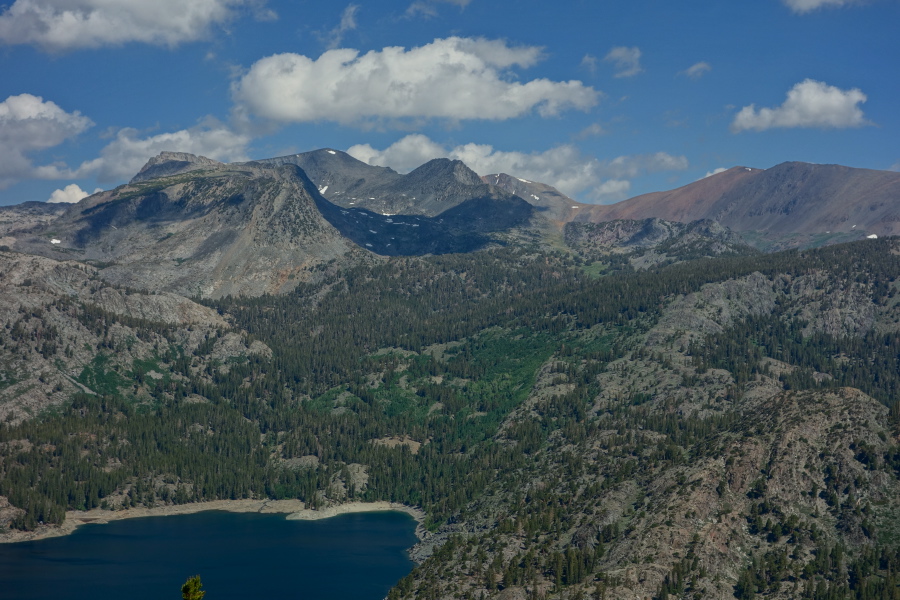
626	60
612	189
29	124
453	78
810	103
128	152
564	167
69	24
404	155
805	6
70	194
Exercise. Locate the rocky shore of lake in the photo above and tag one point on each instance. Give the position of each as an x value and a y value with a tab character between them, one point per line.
294	509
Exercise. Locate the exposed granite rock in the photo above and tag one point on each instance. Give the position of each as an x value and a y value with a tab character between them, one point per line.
165	164
50	346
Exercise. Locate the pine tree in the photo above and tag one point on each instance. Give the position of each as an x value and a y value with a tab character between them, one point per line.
191	589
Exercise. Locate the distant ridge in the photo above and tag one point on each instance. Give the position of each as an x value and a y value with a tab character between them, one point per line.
792	197
198	227
429	190
789	198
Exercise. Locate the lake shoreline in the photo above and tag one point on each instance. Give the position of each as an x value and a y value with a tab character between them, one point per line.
293	509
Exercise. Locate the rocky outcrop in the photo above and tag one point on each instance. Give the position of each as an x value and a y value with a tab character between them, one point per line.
166	164
63	330
25	216
622	233
648	242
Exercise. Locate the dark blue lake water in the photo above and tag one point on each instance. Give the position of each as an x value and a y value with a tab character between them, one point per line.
238	556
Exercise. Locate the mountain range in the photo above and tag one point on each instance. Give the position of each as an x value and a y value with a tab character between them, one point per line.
639	400
431	189
199	227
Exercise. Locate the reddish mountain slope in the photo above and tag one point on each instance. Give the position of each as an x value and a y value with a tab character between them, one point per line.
788	198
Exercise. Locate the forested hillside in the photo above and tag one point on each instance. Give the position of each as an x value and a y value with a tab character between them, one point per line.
711	428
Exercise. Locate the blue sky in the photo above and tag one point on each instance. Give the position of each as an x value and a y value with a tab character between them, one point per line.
604	100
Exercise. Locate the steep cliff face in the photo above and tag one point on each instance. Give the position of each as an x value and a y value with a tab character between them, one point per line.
223	230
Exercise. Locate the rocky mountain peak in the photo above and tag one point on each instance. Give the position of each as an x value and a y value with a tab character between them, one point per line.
464	174
167	156
456	169
172	163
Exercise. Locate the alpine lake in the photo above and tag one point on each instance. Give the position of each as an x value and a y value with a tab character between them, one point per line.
245	556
